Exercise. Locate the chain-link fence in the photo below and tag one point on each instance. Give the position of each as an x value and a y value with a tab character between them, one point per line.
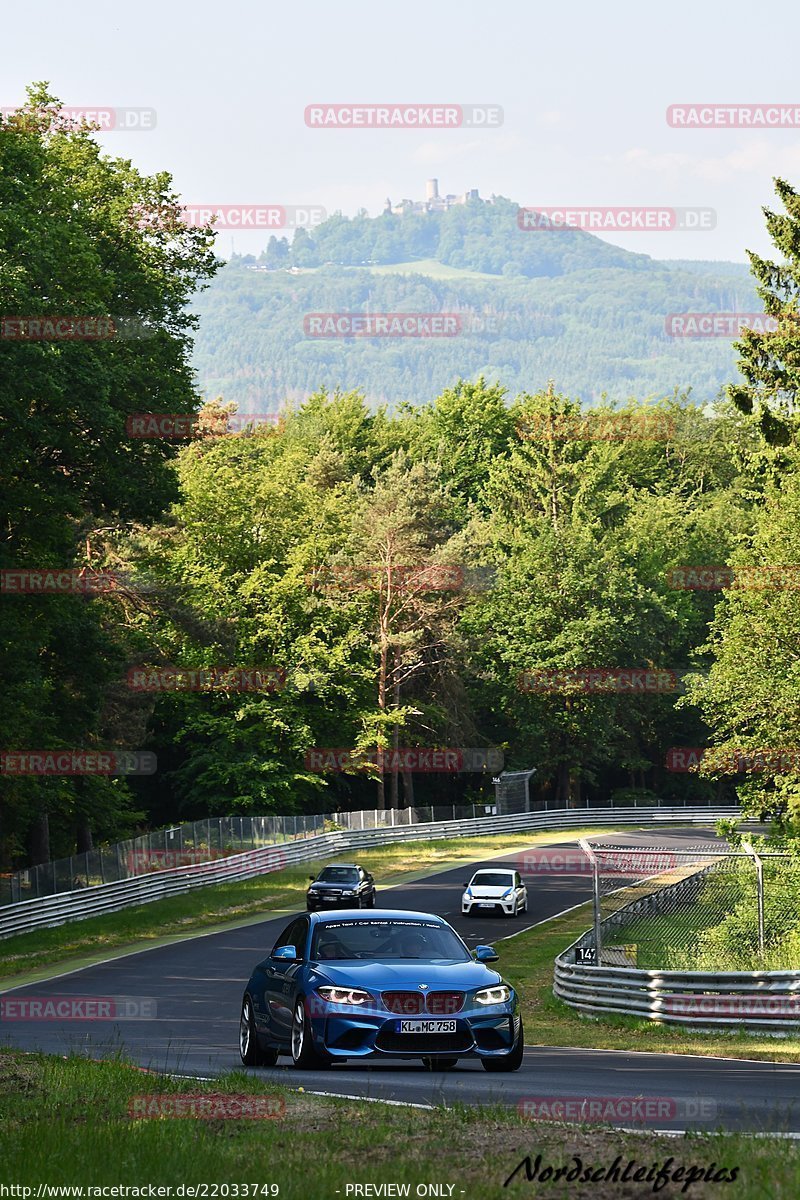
217	837
206	841
699	908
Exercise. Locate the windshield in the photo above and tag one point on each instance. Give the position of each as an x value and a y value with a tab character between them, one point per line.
338	875
492	879
378	939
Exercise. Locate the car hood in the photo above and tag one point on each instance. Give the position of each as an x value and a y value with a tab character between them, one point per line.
401	974
333	887
489	893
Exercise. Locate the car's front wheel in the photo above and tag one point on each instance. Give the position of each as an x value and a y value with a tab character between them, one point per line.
252	1055
511	1061
304	1055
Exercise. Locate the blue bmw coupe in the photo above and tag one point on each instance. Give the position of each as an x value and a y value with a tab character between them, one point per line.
379	985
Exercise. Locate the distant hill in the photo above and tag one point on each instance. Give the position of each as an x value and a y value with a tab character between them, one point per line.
534	305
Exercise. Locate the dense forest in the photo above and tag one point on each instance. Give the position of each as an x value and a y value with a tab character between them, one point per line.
388	577
559	304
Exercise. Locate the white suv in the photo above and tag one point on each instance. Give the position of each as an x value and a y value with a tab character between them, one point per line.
494	888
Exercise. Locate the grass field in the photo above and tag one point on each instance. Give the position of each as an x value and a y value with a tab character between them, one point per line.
76	1122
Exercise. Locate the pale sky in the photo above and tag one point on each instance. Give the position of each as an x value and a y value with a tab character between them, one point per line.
584	90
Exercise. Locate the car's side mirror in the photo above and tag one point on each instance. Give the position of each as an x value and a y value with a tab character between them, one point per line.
465	885
285	953
312	878
486	954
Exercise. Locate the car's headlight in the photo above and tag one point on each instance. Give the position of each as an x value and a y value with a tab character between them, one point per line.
348	892
493	995
343	995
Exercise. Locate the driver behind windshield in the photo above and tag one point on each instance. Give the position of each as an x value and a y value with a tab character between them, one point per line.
411	945
377	940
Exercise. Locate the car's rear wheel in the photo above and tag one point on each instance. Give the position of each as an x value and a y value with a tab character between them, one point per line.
439	1064
511	1061
304	1055
251	1053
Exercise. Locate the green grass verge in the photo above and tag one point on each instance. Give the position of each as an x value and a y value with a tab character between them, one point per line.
251	900
527	962
67	1122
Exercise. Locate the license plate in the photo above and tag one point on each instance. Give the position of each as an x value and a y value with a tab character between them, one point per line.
427	1026
485	906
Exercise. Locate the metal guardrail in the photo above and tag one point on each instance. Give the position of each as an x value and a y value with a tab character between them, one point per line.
78	905
758	1001
202	841
707	1001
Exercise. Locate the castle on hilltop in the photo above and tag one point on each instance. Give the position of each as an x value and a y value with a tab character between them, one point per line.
433	202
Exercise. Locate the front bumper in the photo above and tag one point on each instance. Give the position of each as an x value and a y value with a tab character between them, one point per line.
489	1033
316	903
487	906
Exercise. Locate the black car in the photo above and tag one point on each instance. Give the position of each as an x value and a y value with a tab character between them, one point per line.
341	885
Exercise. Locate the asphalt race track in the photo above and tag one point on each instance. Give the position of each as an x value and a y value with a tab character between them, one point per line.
197	986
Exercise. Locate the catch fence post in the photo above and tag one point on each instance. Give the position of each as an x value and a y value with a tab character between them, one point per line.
587	849
760	887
